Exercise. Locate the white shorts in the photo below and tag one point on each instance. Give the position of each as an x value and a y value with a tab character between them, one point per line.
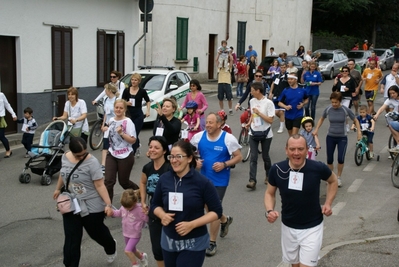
301	245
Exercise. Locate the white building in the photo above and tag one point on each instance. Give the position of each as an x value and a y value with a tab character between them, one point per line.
49	45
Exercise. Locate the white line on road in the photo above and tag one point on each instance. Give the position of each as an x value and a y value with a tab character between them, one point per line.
369	167
355	185
384	150
338	207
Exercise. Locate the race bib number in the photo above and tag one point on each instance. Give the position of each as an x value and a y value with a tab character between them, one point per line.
276	81
159	131
133	101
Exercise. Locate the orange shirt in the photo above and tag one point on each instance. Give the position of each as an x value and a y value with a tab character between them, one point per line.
372	77
365	47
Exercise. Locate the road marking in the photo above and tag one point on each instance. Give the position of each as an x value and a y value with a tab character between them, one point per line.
355	185
369	167
213	95
384	150
338	207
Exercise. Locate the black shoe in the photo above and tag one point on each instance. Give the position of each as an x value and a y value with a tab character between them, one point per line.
211	250
224	227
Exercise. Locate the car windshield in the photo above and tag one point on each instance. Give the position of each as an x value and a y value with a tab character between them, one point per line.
326	56
352	54
379	52
149	81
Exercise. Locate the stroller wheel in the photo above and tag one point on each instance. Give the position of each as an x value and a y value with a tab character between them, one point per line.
46	179
24	178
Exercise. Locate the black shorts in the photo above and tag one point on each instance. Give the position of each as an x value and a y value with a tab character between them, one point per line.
224	89
289	124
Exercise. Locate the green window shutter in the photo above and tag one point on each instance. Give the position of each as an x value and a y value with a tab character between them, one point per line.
241	33
181	38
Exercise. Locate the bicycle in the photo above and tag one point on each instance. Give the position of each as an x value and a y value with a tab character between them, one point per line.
96	134
391	141
361	149
243	139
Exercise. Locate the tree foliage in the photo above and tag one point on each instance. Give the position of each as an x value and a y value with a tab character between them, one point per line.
376	21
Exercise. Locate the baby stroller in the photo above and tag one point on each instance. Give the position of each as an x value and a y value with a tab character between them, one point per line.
45	157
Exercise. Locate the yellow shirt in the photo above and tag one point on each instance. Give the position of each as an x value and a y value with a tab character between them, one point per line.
372	76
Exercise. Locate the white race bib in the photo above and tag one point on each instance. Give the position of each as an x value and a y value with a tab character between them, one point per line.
369	76
343	88
133	101
296	181
176	201
159	131
276	81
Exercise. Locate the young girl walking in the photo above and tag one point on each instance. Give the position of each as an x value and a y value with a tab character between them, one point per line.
133	220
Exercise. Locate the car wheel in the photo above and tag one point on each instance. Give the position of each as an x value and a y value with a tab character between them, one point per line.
331	75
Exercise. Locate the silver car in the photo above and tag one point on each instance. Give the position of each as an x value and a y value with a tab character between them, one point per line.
385	57
331	61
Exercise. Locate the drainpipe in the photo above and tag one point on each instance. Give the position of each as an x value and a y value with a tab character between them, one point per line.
228	20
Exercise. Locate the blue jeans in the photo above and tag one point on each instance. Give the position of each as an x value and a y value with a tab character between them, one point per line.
312	100
240	86
253	164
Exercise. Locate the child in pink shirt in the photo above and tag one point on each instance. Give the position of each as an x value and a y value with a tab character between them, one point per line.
192	119
133	221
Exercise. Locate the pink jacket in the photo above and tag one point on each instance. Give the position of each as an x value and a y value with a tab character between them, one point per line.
132	220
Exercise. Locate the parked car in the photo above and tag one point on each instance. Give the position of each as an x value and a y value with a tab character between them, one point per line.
161	82
386	58
330	62
360	57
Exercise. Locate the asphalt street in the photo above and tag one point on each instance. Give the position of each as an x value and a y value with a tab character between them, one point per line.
363	230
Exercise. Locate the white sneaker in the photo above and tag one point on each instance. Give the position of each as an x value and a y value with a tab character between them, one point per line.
347	128
111	258
280	130
144	260
136	265
339	182
371	154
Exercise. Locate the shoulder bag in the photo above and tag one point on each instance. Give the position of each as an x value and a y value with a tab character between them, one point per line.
259	136
65	201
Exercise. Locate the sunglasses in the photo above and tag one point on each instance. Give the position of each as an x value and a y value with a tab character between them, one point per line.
113	77
344	71
258	76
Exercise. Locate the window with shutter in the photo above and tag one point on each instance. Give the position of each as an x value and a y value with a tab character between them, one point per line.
61	50
101	56
241	32
181	38
120	52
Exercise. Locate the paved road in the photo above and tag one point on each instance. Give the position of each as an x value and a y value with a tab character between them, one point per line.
365	207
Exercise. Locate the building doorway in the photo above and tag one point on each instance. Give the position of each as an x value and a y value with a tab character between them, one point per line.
8	77
211	56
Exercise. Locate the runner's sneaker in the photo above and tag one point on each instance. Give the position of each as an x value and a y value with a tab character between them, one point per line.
280	130
371	154
111	258
224	227
144	260
211	250
136	265
339	182
231	112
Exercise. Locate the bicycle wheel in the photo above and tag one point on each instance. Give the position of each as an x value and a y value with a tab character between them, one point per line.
395	172
391	144
243	140
358	155
368	155
96	135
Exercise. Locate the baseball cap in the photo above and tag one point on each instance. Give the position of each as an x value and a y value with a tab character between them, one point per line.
365	41
250	46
